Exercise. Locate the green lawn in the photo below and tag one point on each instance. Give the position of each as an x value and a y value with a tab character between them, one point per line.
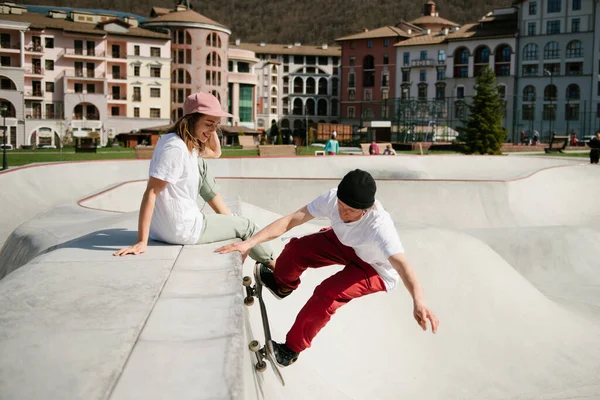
567	154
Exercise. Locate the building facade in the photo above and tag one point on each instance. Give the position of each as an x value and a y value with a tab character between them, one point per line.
85	76
557	88
242	86
298	85
199	48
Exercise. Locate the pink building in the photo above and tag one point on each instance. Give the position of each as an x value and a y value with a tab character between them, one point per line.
80	75
198	53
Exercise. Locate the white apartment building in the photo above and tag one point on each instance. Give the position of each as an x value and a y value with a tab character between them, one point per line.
557	88
89	76
297	85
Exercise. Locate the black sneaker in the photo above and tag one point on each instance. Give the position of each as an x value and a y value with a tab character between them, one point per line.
265	276
283	356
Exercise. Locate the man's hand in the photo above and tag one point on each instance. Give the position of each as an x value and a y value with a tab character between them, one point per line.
136	249
422	314
242	247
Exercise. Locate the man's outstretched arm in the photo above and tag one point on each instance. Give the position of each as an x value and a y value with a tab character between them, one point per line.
421	312
270	232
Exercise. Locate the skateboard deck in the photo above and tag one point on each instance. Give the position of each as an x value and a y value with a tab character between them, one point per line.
265	352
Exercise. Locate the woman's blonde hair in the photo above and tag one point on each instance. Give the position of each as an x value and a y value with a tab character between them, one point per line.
184	128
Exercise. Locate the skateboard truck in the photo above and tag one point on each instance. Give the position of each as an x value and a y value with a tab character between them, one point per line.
265	352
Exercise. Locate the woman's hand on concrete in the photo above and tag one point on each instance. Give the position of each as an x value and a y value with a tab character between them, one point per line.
136	249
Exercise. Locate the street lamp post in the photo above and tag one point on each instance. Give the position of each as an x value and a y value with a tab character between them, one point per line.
551	103
306	123
4	110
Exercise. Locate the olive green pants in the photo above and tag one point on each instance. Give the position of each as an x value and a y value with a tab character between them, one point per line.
218	227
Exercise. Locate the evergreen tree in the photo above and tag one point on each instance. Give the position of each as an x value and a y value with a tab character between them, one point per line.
483	132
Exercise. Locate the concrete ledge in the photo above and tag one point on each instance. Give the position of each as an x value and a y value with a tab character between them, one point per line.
277	150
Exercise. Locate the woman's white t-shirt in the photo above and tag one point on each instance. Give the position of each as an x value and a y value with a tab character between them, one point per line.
176	218
373	237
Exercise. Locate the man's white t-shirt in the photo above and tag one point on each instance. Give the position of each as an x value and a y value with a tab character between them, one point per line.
177	218
373	237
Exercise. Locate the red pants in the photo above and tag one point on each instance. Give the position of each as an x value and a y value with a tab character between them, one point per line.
319	250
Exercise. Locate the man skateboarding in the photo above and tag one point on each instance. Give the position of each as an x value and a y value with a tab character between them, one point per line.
362	237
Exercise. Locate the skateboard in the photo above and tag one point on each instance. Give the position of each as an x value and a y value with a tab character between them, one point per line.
265	352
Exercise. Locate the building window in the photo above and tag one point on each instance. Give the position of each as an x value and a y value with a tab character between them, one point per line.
423	75
385	80
323	60
5	60
137	93
90	88
528	113
155	72
576	5
554	6
405	76
136	112
351	94
351	112
406	58
369	44
351	81
502	91
460	92
531	31
386	59
422	91
530	70
423	55
575	25
50	87
246	102
530	52
553	27
136	50
551	51
114	111
352	61
154	92
49	43
574	49
136	70
529	93
78	88
441	56
440	91
574	68
386	42
441	74
154	51
532	7
155	113
299	60
572	112
49	64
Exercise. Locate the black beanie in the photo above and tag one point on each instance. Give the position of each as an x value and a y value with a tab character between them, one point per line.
357	189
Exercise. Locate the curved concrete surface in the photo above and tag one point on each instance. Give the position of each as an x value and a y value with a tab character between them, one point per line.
507	250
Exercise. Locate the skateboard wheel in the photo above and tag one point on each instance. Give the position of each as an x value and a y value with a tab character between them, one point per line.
247	281
261	366
254	346
249	301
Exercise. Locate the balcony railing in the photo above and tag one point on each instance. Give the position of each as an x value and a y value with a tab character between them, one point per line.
115	96
81	117
84	52
83	75
118	76
35	48
137	98
118	55
34	71
422	63
35	93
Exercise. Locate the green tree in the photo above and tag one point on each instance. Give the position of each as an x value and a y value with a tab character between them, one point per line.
483	132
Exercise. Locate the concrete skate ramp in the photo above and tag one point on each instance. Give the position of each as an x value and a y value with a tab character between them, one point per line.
507	251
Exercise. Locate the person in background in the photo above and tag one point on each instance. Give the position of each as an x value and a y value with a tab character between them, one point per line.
332	147
594	145
389	151
374	149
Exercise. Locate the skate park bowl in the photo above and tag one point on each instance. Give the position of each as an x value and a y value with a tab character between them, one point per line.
506	248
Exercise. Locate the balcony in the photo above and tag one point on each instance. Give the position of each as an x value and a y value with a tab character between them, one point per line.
422	63
82	53
117	98
35	71
36	48
81	75
118	57
86	123
34	94
119	76
6	47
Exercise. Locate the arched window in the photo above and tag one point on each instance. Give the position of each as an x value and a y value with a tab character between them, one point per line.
213	59
310	107
188	38
334	86
7	84
530	52
574	49
322	107
298	86
573	92
550	93
297	110
323	86
529	93
482	55
10	109
551	51
213	40
310	86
